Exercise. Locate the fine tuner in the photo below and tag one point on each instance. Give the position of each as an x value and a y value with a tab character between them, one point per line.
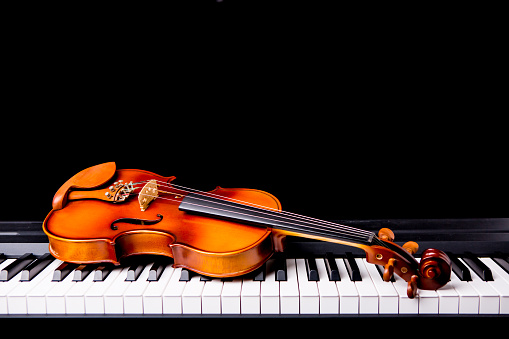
226	232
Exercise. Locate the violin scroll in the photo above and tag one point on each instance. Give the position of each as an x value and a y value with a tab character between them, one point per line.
432	272
434	269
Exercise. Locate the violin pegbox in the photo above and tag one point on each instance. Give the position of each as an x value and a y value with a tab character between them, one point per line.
411	247
434	268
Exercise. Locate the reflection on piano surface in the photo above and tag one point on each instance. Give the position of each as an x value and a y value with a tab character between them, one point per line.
313	278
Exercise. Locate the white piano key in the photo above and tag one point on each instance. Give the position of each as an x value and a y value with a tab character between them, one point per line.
500	284
7	286
211	297
348	294
94	297
113	297
368	295
428	302
17	298
230	296
269	291
55	297
36	297
191	296
329	296
388	297
448	299
153	295
133	295
489	300
406	305
75	297
289	290
250	297
308	290
172	294
468	296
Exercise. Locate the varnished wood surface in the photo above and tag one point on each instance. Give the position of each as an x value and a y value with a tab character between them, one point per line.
81	232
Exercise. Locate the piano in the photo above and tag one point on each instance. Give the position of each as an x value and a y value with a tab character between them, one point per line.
311	279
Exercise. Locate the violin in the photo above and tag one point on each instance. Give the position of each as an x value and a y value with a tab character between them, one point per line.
103	215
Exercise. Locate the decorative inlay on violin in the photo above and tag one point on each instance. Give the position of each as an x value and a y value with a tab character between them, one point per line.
102	214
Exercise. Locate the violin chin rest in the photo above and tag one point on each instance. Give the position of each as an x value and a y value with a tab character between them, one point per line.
91	177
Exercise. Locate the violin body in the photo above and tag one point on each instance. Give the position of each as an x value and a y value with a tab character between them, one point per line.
81	231
104	214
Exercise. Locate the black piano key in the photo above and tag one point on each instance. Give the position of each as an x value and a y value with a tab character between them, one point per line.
502	260
352	268
311	269
205	278
156	270
2	257
82	271
332	267
102	272
185	275
259	274
36	267
16	266
63	271
459	268
478	266
280	267
134	272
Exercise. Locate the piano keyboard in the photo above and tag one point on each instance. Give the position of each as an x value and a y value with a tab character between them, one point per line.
327	285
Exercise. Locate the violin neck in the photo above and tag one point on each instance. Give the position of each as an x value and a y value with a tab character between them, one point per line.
289	223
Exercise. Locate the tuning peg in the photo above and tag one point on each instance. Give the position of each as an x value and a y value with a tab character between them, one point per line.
411	290
411	247
386	234
389	269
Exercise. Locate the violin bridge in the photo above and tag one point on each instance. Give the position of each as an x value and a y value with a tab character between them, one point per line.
148	193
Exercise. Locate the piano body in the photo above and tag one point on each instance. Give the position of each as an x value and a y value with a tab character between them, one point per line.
311	279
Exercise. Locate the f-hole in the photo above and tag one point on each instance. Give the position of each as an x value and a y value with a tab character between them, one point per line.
135	221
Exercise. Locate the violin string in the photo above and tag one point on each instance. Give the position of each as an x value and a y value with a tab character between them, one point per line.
299	228
310	223
262	209
329	226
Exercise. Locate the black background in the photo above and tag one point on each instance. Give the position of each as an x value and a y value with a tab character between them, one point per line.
338	119
325	157
342	113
